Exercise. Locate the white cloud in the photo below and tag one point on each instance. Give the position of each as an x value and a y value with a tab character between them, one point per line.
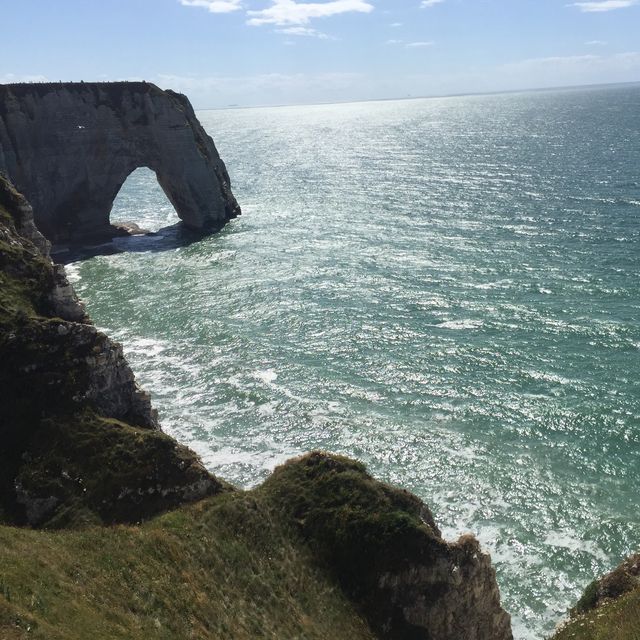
603	5
305	31
214	6
277	88
555	71
595	43
411	45
291	12
553	61
395	25
425	4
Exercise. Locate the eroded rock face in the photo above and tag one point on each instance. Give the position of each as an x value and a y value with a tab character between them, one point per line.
384	548
22	213
69	147
467	602
58	354
80	439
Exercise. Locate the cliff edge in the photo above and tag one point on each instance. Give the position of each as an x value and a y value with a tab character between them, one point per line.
69	147
80	439
609	608
320	550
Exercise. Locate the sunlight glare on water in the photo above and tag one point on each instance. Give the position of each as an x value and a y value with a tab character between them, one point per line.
446	289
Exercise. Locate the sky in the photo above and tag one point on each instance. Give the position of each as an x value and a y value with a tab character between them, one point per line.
267	52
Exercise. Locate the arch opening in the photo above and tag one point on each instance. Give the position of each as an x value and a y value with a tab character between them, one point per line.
141	205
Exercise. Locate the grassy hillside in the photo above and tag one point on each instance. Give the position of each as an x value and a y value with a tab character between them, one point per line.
617	619
609	608
227	567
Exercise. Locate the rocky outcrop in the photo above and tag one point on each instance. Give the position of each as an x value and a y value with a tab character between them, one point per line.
609	607
53	344
467	602
624	579
78	435
387	553
22	215
69	147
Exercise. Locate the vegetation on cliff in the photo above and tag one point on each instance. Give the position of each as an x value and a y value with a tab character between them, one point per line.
609	608
226	567
77	434
320	550
385	550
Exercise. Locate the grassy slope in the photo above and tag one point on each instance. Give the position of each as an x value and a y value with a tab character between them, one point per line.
276	562
615	620
230	566
227	567
609	608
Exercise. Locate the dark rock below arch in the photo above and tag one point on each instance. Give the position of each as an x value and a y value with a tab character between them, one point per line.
69	147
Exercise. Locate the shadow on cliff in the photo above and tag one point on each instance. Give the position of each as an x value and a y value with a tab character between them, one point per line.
165	239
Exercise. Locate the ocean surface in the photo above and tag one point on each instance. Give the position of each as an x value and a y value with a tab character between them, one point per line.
447	289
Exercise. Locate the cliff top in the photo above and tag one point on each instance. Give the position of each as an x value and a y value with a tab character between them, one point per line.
21	89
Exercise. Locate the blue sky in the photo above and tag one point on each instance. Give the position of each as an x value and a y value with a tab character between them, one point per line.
252	52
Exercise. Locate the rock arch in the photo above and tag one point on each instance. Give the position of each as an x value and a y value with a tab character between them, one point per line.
69	148
130	213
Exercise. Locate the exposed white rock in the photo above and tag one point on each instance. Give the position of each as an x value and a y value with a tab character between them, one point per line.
69	147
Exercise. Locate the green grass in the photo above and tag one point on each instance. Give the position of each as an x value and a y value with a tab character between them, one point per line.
227	567
617	619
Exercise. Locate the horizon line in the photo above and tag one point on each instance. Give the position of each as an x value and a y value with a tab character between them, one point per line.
423	97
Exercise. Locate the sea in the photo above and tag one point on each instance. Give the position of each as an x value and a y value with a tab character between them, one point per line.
447	289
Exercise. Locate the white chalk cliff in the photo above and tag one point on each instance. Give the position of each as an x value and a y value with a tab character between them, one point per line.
69	147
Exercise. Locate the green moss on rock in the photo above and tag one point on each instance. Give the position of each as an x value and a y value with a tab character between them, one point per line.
363	530
360	523
91	468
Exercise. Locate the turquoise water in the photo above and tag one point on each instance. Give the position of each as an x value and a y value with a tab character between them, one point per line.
446	289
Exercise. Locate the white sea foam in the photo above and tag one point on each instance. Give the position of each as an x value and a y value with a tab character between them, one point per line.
73	272
458	325
266	375
575	544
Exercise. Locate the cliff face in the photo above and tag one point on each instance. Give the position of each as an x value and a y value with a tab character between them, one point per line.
385	550
69	148
65	389
51	326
